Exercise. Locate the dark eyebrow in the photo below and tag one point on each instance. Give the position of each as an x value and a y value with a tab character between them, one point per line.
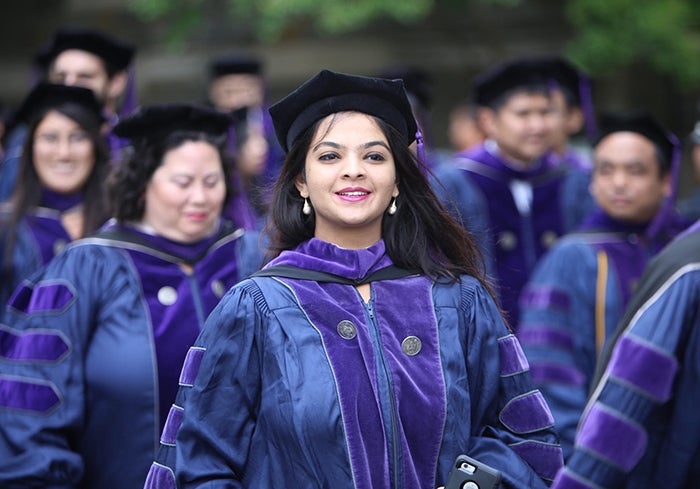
327	143
375	143
366	145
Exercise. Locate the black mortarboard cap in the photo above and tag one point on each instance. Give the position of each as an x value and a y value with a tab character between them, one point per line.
492	84
236	64
117	54
566	75
45	96
157	121
329	92
417	82
642	123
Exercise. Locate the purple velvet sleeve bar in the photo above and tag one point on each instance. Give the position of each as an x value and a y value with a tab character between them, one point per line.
645	367
33	346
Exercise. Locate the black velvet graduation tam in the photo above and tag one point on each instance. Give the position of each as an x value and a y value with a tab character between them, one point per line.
566	75
329	92
46	96
492	84
417	82
642	123
156	121
115	53
236	64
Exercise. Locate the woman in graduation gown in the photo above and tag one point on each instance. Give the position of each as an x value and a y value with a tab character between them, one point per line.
92	347
370	353
60	196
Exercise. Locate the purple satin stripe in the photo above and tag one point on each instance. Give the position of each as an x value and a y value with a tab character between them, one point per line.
43	298
512	357
31	346
545	459
541	335
190	368
27	396
615	439
160	477
544	298
650	370
526	414
172	425
556	372
566	481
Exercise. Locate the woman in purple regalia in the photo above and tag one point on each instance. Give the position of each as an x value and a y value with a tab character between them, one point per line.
370	352
60	196
92	347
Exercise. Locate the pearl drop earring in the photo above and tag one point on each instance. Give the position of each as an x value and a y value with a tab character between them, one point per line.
392	207
306	209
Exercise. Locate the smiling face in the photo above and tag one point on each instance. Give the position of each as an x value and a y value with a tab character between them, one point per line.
185	195
626	181
63	153
349	179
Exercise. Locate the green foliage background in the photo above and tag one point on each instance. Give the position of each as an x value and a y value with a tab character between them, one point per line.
607	34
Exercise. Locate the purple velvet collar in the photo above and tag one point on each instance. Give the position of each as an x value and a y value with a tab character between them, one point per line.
60	202
600	221
189	252
322	256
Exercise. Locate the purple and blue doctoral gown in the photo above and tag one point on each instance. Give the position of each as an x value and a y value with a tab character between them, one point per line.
641	427
527	211
572	304
296	383
91	350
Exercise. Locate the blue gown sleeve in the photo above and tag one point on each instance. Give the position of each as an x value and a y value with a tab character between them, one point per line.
221	370
42	347
640	427
513	427
557	332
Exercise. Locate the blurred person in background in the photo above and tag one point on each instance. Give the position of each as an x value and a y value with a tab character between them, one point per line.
580	288
60	195
527	199
92	346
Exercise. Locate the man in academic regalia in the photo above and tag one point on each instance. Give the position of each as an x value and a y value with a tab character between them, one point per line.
580	288
527	196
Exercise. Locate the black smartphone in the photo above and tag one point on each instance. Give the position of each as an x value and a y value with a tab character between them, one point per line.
468	473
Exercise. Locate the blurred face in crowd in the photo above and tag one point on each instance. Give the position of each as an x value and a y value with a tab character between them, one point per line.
564	121
463	129
231	92
520	127
251	155
349	179
85	69
626	181
63	153
185	196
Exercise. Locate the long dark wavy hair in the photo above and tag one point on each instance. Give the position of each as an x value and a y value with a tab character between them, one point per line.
420	236
127	184
28	190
